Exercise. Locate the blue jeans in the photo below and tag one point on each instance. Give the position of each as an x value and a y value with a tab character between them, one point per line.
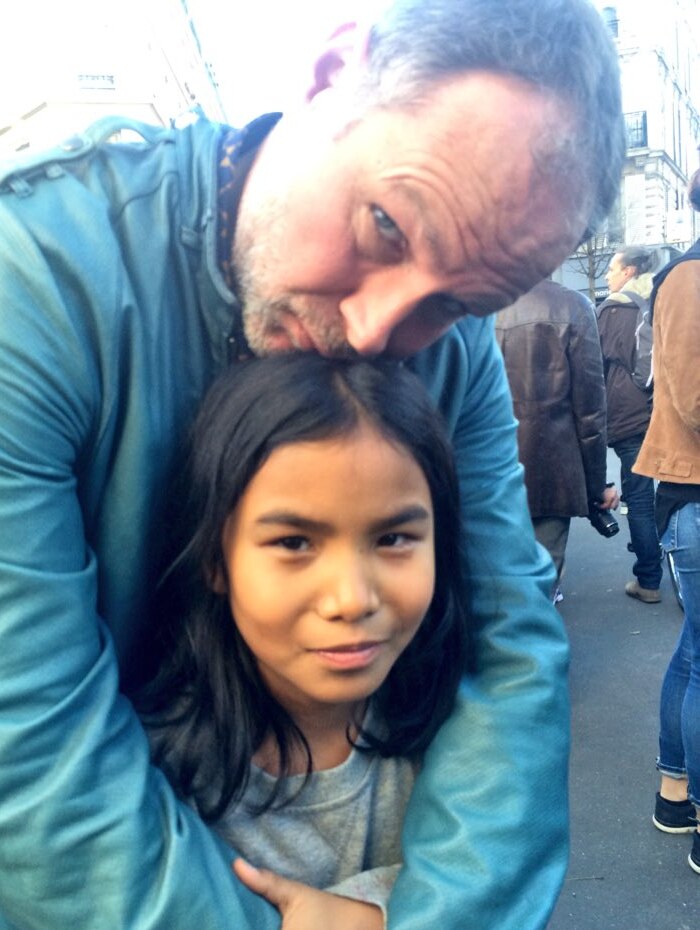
679	734
638	493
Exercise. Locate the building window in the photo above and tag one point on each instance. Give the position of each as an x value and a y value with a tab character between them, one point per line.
96	81
610	19
636	129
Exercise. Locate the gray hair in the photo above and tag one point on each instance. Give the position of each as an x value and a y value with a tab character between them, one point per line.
635	256
560	46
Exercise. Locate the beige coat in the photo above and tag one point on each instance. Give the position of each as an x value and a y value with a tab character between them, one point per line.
671	449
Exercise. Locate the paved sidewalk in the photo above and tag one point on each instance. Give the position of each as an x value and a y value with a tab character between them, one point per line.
623	873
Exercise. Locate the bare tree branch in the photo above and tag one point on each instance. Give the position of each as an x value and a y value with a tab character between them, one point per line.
592	257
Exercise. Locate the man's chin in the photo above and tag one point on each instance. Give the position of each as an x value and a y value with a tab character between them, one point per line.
284	331
281	342
265	341
281	348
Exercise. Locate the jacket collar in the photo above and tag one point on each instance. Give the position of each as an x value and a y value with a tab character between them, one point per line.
692	253
641	285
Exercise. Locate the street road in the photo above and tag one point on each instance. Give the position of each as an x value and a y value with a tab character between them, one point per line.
623	873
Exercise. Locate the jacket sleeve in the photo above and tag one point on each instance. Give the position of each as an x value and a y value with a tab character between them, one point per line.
676	305
588	401
481	849
616	334
91	835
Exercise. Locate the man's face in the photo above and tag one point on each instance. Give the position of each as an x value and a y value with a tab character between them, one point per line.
348	231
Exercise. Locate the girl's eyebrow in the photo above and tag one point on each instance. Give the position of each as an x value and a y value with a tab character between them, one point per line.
413	514
289	518
410	514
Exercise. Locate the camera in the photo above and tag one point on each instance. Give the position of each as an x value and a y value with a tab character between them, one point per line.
603	521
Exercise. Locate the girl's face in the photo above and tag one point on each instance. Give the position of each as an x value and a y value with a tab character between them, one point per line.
330	568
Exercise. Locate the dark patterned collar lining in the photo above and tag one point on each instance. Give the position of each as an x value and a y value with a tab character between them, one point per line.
237	151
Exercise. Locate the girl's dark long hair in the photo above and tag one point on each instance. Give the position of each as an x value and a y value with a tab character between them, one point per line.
208	706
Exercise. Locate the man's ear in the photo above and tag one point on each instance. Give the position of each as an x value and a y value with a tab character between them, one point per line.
345	49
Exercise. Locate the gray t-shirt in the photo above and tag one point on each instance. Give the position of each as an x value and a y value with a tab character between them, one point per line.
341	832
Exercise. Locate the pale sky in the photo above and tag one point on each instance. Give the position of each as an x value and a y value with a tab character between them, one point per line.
263	51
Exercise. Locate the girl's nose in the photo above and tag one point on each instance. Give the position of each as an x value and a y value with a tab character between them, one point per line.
350	593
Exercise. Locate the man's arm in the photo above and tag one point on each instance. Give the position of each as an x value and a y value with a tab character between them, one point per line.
91	835
485	838
588	401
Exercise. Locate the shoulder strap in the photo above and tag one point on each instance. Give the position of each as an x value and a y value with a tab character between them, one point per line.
642	303
693	253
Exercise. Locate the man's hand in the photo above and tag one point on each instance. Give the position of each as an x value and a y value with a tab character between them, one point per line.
611	498
306	908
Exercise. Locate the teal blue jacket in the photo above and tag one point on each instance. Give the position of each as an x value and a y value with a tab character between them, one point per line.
114	319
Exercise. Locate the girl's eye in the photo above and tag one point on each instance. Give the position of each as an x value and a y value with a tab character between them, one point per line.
386	227
293	543
392	540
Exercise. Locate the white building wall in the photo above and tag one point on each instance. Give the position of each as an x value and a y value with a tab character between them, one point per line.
659	49
92	58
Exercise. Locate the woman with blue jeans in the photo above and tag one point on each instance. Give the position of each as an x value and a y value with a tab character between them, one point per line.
629	409
671	454
679	738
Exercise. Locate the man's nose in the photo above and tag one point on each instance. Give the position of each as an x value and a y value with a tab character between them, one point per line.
349	591
369	324
377	308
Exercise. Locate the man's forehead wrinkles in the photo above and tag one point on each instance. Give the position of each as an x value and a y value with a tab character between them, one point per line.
436	245
432	234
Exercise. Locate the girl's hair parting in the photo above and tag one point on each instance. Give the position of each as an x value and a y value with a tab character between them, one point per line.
208	706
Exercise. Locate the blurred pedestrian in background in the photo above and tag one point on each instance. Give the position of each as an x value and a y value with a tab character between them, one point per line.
671	453
629	408
551	349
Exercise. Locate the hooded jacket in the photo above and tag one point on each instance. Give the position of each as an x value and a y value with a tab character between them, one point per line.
114	319
628	407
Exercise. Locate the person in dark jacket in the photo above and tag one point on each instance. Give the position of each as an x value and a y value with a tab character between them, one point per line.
551	350
629	410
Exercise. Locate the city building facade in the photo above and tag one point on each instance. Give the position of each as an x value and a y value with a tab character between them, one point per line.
659	49
93	58
143	60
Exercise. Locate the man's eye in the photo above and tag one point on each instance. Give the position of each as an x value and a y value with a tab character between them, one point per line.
386	226
443	307
450	307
